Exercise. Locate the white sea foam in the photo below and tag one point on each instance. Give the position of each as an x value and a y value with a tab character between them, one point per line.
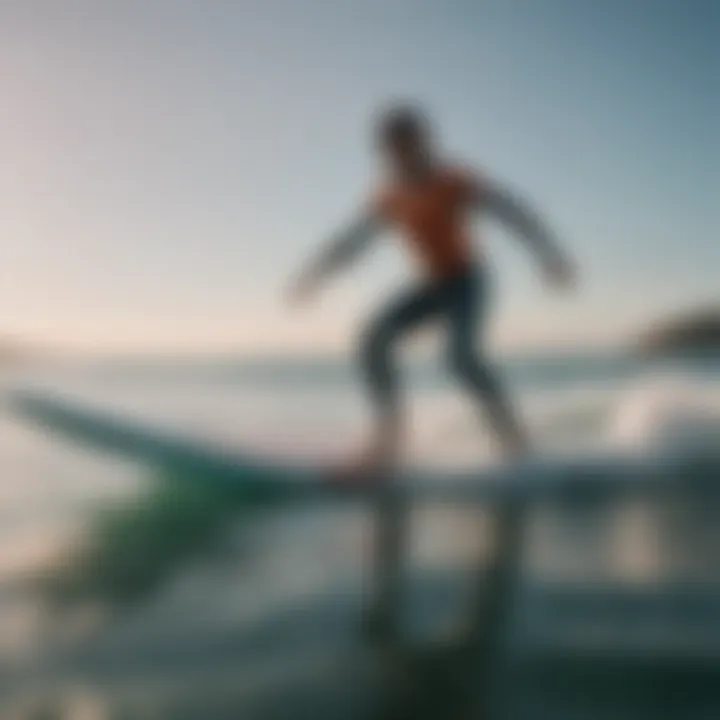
667	411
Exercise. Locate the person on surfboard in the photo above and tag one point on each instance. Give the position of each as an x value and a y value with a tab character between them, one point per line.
430	201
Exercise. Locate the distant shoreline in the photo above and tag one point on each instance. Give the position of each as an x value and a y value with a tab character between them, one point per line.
692	333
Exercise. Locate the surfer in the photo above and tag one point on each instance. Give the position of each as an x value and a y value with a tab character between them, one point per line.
430	201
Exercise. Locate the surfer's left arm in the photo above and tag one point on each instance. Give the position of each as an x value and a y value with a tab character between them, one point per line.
520	217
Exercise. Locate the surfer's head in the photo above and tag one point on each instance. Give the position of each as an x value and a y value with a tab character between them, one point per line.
403	136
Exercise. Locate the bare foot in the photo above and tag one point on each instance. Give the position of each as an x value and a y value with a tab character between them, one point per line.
371	467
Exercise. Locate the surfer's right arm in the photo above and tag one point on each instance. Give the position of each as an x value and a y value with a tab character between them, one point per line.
343	248
519	216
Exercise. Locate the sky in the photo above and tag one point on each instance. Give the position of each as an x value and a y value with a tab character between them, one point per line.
167	164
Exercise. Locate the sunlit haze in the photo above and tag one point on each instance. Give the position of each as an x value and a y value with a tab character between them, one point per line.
167	164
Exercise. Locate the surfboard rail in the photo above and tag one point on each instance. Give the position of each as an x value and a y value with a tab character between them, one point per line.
610	473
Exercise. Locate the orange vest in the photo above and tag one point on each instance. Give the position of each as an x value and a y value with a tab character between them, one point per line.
432	215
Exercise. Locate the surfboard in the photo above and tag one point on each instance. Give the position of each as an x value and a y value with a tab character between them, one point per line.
295	479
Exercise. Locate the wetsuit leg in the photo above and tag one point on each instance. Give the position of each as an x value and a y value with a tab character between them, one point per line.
379	342
466	306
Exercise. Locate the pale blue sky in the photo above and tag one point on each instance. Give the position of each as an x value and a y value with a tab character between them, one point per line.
166	163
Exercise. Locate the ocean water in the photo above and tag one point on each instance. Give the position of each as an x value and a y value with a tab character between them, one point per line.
50	490
313	407
316	408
